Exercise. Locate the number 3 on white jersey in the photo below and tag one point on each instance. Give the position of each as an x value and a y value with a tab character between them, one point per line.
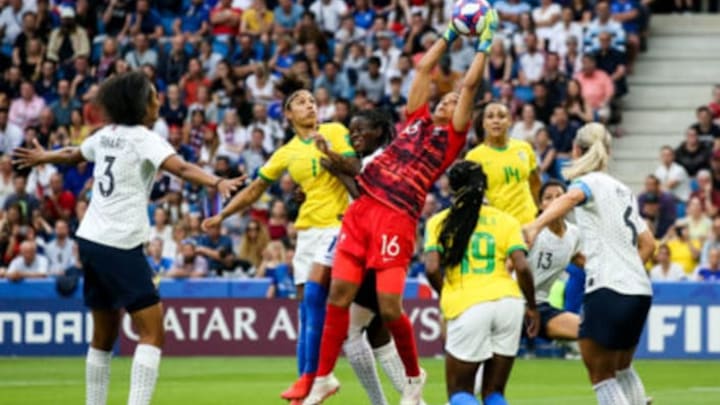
390	246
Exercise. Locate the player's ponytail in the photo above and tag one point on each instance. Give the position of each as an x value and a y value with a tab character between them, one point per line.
594	142
468	181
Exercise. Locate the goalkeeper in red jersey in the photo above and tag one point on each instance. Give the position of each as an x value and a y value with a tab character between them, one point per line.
378	230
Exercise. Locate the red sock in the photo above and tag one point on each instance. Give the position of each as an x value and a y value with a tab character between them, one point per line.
334	334
402	332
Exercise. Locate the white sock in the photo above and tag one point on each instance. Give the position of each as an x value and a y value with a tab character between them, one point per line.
145	365
97	376
478	381
608	392
360	355
392	365
632	386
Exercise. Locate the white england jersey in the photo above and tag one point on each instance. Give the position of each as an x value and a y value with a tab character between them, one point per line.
126	161
549	257
610	223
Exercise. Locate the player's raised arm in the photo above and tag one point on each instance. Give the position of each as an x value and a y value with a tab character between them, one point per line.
473	77
242	200
419	93
37	155
196	175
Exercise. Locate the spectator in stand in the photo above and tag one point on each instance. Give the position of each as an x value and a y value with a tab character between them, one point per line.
25	110
526	128
712	242
10	19
572	61
193	79
329	14
261	85
372	81
27	202
461	55
706	129
63	107
604	23
172	66
693	154
287	15
348	33
271	129
657	206
563	31
543	104
6	178
117	20
708	196
579	112
665	270
159	263
277	266
146	20
714	105
545	154
545	16
205	104
405	71
193	24
61	252
699	223
69	40
225	20
554	79
253	242
627	13
334	81
211	245
532	62
388	53
582	12
11	135
612	62
257	20
188	264
394	103
162	229
142	53
597	88
108	58
417	30
711	270
672	176
232	136
278	220
562	133
29	264
254	154
685	251
509	12
59	204
173	110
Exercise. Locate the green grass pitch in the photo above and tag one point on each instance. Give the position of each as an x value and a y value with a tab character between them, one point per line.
247	380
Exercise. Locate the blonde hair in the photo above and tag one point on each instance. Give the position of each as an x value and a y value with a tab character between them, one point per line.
594	141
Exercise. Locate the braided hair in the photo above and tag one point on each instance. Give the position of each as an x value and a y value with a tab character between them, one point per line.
468	182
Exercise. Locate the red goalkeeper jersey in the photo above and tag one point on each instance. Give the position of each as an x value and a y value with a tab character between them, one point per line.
403	174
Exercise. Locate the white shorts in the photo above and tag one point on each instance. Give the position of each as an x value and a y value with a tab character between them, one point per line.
314	245
488	328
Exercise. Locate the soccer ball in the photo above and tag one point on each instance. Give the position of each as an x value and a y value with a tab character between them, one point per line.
468	16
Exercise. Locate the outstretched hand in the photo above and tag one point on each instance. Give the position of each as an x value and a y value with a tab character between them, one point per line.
227	186
211	222
29	157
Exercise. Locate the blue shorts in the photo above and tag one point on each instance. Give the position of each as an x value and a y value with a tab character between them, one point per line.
547	312
614	320
116	278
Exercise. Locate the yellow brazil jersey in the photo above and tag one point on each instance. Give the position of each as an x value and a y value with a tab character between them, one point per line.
482	275
508	171
325	196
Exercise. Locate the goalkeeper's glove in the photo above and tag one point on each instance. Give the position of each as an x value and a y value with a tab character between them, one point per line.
492	21
451	33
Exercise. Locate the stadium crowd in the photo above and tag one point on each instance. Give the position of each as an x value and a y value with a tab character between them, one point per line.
556	65
681	201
